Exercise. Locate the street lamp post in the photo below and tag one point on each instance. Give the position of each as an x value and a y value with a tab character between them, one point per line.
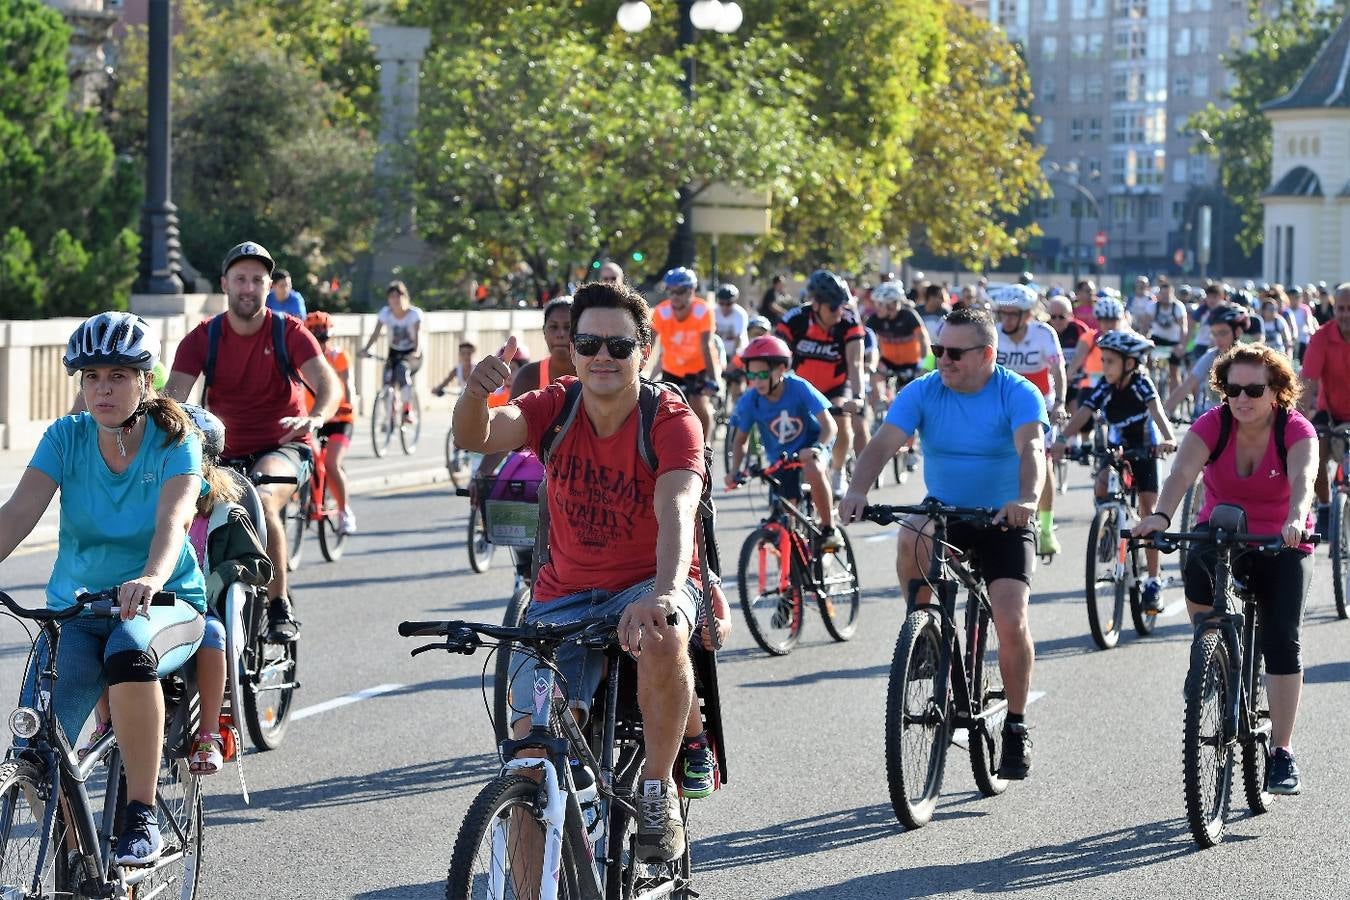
706	15
1071	179
161	254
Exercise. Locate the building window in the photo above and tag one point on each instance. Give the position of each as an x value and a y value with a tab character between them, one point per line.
1078	10
1048	88
1200	85
1050	11
1200	39
1122	210
1094	89
1049	47
1078	45
1178	171
1097	9
1133	9
1076	87
1181	85
1044	209
1199	170
1076	130
1096	46
1094	133
1152	208
1182	47
1182	6
1178	210
1094	166
1047	131
1203	5
1155	126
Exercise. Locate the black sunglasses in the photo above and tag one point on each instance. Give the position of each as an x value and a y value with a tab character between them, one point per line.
1255	391
618	347
955	353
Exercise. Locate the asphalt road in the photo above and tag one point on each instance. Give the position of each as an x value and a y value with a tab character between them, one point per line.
366	795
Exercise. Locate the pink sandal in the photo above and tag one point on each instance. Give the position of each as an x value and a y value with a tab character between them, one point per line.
207	755
100	729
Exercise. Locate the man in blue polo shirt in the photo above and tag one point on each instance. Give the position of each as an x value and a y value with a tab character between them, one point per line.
980	426
284	298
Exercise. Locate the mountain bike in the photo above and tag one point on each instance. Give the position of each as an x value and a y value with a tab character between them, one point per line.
1226	703
522	592
531	832
1191	504
1339	520
53	842
935	688
782	564
1114	565
388	419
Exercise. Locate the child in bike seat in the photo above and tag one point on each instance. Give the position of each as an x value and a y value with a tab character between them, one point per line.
792	417
697	765
1128	400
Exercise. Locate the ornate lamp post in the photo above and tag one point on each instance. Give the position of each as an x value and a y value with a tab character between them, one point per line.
161	254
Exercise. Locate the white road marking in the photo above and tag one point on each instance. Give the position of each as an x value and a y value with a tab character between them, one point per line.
1175	608
883	536
344	700
961	737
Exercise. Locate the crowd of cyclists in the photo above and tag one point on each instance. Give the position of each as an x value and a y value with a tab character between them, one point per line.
987	383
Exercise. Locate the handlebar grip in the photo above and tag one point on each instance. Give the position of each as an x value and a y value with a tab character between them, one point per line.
164	598
421	629
260	480
462	492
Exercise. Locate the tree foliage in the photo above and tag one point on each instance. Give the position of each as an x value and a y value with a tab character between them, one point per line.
976	163
69	248
1281	49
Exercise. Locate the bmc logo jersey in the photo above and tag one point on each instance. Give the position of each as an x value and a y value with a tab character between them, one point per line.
818	353
1032	356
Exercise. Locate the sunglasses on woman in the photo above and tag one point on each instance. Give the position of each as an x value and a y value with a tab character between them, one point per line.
618	347
955	353
1255	391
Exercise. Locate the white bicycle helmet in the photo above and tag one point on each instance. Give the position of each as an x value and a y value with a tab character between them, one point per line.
112	339
1108	308
1015	296
1127	343
887	292
212	429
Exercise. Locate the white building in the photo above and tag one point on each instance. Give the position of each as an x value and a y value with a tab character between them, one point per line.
1307	209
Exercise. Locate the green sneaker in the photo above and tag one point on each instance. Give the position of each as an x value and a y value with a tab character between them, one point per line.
1046	542
696	777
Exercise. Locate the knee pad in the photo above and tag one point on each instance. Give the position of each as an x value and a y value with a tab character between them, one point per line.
213	634
131	666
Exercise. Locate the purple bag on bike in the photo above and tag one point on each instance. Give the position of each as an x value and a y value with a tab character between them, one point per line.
510	498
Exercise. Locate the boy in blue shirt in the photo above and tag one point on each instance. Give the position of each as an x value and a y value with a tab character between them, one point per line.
792	417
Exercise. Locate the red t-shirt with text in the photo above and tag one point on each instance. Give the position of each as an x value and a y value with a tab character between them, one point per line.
602	519
1328	360
248	391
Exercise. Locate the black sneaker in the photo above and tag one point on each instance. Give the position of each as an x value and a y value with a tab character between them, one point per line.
660	833
1016	760
282	626
139	843
1282	773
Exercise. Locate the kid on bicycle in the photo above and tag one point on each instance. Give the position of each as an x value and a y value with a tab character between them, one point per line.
336	433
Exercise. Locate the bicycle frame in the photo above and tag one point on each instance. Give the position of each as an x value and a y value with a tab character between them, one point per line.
1238	629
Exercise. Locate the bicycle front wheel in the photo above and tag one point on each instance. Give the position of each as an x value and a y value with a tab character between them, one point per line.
410	428
382	424
269	680
22	840
499	852
457	461
1206	750
501	680
1191	504
840	599
918	723
331	536
771	596
1340	552
1105	589
1254	755
295	520
991	703
476	541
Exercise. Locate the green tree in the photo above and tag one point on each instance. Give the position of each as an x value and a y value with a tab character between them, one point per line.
69	248
976	163
1282	48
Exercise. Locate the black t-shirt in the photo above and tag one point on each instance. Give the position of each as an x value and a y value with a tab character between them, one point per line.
1126	407
1068	338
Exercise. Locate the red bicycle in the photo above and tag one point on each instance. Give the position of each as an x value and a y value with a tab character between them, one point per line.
313	505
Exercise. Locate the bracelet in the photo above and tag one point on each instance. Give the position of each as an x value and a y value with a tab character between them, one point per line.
1165	516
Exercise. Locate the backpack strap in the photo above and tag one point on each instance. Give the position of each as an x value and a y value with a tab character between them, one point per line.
566	415
279	352
649	400
212	346
1226	429
1281	420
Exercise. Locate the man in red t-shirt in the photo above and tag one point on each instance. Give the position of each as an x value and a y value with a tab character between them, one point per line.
1326	382
621	536
268	423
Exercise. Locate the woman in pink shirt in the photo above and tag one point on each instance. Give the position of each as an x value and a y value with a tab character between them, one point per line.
1277	496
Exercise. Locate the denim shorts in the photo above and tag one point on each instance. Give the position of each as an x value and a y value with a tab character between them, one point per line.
582	668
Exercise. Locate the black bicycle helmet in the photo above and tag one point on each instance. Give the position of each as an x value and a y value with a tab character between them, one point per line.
827	287
1232	315
728	292
1126	343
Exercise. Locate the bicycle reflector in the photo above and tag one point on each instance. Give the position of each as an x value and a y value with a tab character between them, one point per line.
24	722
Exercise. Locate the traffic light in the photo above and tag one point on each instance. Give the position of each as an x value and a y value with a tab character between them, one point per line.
1101	262
595	264
638	256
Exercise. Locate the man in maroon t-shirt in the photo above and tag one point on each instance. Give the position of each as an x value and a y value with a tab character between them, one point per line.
621	536
266	421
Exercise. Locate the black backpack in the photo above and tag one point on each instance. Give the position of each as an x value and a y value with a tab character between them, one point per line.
1226	429
279	352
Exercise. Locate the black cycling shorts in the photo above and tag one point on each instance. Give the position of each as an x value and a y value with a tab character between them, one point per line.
346	429
692	385
1001	552
1145	473
838	396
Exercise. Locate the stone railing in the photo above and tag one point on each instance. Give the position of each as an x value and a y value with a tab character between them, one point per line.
34	387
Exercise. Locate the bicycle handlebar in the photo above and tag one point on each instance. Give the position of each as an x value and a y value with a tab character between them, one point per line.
102	604
464	637
886	514
1168	541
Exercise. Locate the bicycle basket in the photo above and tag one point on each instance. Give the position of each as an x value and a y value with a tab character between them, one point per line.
511	499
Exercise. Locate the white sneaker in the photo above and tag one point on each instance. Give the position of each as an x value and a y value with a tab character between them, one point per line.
837	482
346	522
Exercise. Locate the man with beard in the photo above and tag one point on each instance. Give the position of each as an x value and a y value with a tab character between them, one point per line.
257	365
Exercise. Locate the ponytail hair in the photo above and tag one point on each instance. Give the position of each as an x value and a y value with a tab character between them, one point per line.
168	416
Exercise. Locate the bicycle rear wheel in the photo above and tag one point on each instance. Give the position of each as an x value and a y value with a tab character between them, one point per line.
331	536
1206	750
1104	590
1254	755
382	423
476	542
178	803
499	850
409	433
295	519
22	834
501	679
1191	504
269	680
457	461
1144	622
918	724
1340	552
991	700
627	876
841	599
771	595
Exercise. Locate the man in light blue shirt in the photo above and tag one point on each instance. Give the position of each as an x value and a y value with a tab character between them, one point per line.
981	428
285	299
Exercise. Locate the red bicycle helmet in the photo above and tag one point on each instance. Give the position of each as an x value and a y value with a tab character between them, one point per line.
319	320
768	348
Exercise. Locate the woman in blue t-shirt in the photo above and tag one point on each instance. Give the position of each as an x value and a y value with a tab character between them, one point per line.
129	473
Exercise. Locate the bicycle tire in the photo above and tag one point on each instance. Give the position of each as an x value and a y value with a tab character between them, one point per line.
409	433
1254	755
1062	477
457	461
267	710
501	679
987	691
1144	622
1206	694
332	539
915	762
624	876
381	421
1191	503
774	620
840	610
179	809
1340	552
21	784
494	802
476	542
295	521
1103	607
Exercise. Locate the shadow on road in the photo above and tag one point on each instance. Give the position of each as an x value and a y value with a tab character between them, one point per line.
432	890
806	678
796	838
1327	673
1038	869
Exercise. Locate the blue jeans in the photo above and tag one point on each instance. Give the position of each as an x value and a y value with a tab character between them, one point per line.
581	667
163	643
